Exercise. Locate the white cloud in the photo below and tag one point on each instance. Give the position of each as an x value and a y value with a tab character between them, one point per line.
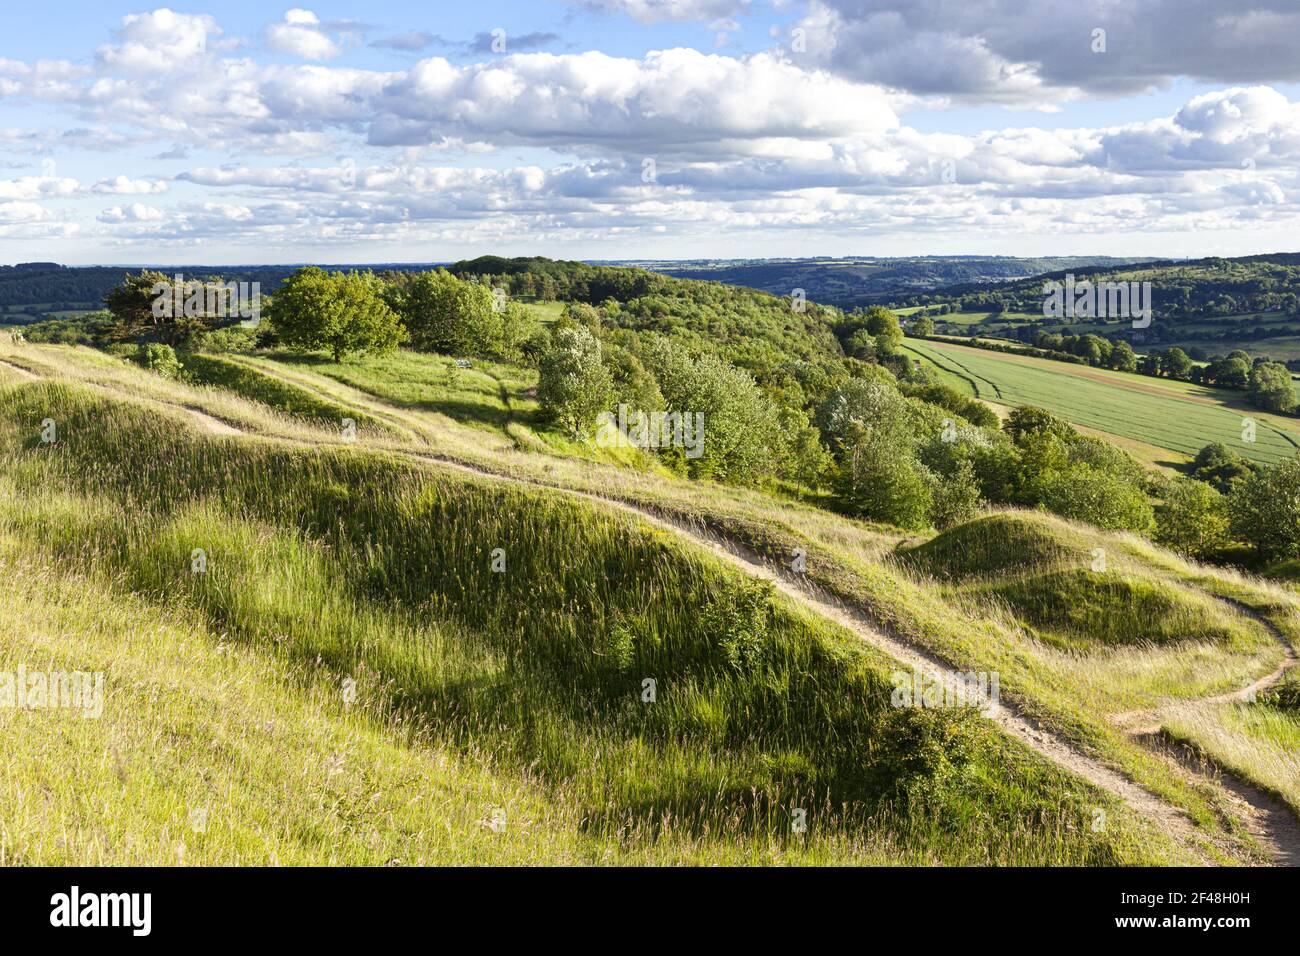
159	42
301	34
125	186
135	212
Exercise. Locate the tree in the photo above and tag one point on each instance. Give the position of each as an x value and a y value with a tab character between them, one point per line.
145	304
1192	519
343	313
1220	466
1271	389
883	325
1176	364
1123	358
879	478
574	386
922	325
1098	497
1229	372
448	315
1029	420
742	434
1264	510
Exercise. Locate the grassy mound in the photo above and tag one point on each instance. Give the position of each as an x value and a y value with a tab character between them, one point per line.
1089	608
1070	587
993	545
530	627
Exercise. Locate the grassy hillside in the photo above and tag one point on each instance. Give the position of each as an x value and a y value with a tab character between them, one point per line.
350	564
376	561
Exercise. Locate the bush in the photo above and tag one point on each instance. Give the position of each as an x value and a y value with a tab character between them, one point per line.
159	358
233	339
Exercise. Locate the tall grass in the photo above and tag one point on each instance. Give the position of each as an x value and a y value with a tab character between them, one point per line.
382	571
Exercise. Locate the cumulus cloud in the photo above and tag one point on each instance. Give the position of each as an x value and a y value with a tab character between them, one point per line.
38	187
135	212
159	42
301	34
125	186
782	141
1038	51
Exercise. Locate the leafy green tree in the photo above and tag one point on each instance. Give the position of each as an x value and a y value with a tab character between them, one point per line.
1101	498
1123	358
956	497
133	306
861	345
574	386
803	457
922	325
1175	364
1030	420
1271	389
879	479
344	313
448	315
1192	519
1228	373
883	325
1264	510
742	433
1220	466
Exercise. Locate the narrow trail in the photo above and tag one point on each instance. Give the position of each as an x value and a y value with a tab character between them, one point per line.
1276	829
18	370
1268	819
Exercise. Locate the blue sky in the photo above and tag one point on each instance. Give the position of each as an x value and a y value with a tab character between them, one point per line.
399	131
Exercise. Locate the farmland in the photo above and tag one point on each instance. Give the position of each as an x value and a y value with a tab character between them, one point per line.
1176	416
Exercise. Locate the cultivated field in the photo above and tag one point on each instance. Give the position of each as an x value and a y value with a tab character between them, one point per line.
1176	416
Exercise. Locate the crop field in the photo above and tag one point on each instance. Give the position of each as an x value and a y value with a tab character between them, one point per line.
1176	416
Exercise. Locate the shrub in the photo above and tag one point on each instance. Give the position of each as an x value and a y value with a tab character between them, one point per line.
159	358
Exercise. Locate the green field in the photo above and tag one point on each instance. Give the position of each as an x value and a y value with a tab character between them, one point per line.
1170	415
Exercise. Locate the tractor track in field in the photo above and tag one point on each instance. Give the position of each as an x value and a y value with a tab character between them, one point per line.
1274	827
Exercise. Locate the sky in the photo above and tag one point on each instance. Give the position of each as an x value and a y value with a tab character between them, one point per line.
388	131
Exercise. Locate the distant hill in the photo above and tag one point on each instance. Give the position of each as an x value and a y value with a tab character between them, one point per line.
32	291
853	281
1207	306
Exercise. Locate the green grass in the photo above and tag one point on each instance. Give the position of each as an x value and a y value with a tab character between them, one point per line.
1069	689
1111	402
248	383
355	564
